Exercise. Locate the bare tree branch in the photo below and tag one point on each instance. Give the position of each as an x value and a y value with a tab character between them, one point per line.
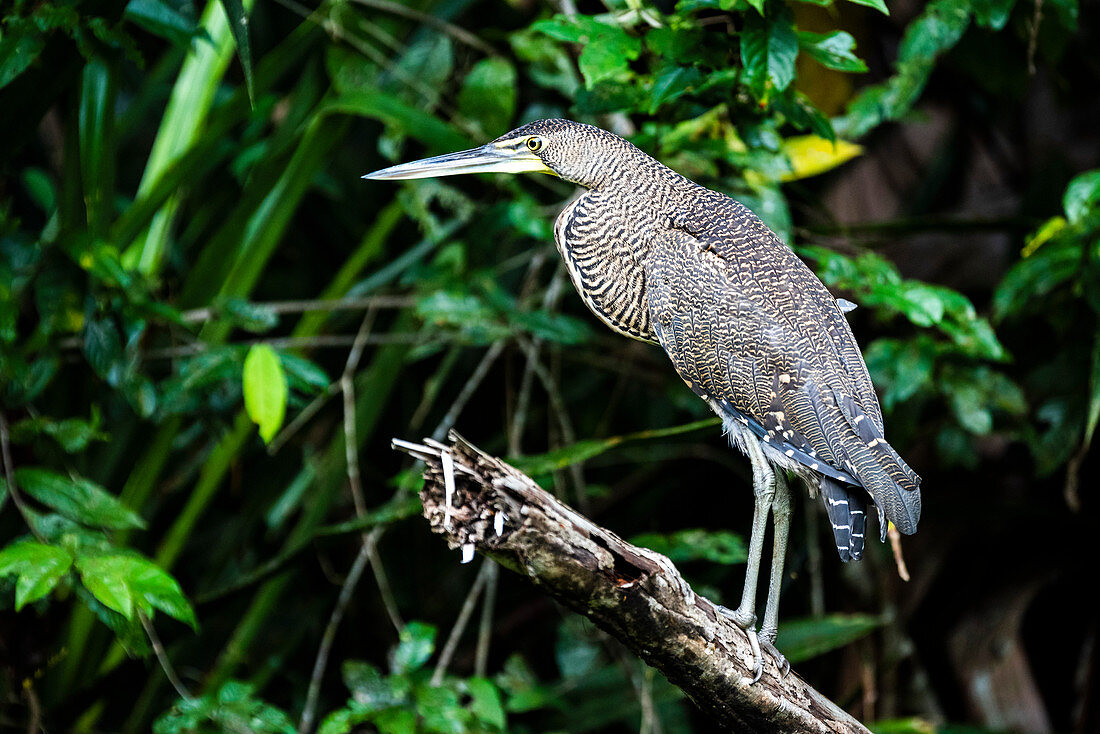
633	594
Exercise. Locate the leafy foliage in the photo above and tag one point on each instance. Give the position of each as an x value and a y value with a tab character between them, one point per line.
186	251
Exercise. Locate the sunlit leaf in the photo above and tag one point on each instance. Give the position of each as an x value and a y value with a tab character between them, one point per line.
105	577
265	390
37	567
811	155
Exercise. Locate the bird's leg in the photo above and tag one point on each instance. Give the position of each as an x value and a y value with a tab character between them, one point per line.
763	486
781	512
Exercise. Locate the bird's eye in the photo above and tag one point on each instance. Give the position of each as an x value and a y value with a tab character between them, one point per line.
534	144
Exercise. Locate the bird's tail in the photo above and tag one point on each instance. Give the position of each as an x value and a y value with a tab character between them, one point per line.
847	510
886	477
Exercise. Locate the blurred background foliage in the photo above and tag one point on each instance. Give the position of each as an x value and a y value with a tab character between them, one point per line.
210	328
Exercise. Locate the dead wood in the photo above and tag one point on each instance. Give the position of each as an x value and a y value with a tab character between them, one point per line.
633	594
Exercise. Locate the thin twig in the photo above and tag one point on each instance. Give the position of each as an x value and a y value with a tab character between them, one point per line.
899	557
384	590
303	417
485	624
460	623
305	723
162	658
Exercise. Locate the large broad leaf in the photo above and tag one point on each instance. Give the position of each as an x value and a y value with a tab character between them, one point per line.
607	49
265	390
77	499
810	155
488	95
125	582
769	47
802	639
38	568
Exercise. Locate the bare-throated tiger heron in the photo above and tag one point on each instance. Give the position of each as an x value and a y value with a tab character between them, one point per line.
748	327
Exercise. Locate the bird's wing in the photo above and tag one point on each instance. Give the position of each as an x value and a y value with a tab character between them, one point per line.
742	331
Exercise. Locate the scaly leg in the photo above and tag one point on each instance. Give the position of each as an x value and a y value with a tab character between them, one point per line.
781	512
763	487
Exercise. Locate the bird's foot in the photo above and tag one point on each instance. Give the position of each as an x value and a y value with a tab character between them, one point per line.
781	662
747	622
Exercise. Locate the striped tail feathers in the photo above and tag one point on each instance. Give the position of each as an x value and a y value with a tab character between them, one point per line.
894	486
847	511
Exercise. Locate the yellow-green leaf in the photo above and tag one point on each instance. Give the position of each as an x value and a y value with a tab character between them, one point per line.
1044	234
265	390
811	155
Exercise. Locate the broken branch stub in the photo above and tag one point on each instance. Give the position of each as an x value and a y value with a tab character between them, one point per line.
478	502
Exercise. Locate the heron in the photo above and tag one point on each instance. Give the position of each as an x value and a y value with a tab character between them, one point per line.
747	325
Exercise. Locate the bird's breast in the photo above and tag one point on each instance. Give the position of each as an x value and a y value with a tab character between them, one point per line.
604	242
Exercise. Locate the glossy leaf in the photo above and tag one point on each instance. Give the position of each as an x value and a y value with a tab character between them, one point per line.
768	50
834	50
37	567
265	390
1082	196
77	499
811	155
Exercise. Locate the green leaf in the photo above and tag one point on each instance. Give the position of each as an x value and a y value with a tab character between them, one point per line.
238	25
832	50
1082	195
20	45
77	499
488	95
802	639
125	580
878	5
150	582
714	546
486	703
416	644
607	48
105	577
38	568
769	47
265	390
992	14
401	117
162	19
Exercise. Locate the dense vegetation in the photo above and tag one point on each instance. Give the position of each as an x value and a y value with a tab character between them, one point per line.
187	251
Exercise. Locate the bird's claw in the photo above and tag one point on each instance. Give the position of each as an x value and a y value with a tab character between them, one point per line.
781	661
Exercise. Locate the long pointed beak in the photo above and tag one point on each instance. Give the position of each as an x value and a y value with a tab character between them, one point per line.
486	159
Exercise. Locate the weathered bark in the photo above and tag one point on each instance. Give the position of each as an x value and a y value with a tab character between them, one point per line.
631	593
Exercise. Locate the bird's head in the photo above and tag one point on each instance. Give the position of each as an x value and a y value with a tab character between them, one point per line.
576	152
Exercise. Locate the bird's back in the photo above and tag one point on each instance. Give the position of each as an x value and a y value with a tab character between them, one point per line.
751	329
